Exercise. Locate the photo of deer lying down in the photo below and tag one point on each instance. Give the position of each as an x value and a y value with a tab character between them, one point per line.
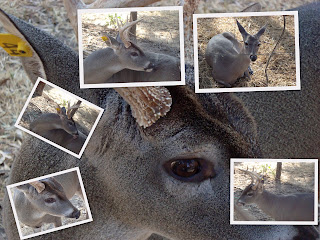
276	191
59	118
235	52
131	46
44	204
158	164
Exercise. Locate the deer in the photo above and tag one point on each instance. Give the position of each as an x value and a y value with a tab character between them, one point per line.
294	207
60	128
124	61
47	200
229	59
158	163
122	53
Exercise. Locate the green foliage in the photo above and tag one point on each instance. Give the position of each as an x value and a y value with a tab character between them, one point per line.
266	169
112	20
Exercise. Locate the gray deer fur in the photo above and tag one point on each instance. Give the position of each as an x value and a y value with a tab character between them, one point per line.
130	193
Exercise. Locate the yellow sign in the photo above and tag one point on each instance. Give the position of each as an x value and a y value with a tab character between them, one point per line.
14	45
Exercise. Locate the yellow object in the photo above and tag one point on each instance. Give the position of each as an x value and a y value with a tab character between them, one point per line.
14	45
104	38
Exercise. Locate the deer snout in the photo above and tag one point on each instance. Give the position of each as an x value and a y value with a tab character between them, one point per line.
76	135
240	203
149	68
75	214
253	58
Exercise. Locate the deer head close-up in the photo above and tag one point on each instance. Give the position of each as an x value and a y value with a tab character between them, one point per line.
158	163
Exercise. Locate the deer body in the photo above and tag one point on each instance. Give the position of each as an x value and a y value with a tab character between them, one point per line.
134	177
294	207
60	129
166	68
49	205
229	58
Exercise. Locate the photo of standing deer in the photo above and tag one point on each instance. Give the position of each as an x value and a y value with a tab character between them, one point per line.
285	194
119	49
48	203
233	52
158	163
46	117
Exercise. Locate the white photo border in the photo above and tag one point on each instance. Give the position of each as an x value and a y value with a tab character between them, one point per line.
316	179
246	89
48	141
132	84
85	199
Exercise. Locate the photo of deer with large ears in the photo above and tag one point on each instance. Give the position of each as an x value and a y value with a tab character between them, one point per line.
141	45
158	163
247	50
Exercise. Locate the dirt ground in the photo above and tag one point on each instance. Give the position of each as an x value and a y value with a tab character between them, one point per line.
51	16
295	178
281	69
157	32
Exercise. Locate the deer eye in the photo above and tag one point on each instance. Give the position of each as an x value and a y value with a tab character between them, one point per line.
250	194
134	54
246	43
50	200
190	170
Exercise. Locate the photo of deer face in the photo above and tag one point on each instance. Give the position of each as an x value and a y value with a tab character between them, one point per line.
49	202
158	163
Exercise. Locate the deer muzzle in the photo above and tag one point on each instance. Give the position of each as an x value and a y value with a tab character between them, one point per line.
253	58
150	67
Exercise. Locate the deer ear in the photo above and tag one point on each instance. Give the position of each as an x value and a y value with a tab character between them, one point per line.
242	30
261	31
112	42
32	65
39	186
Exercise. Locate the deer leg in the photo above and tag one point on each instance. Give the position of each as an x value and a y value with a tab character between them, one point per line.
223	83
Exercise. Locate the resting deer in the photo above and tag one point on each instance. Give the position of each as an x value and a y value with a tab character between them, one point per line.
159	159
294	207
47	200
124	61
229	58
60	128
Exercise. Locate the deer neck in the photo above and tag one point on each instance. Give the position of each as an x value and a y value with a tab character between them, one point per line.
266	202
46	122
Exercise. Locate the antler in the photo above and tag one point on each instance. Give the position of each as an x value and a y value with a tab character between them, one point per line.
124	32
72	110
253	176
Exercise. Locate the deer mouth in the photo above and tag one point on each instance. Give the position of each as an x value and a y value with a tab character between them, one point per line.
241	204
75	136
149	68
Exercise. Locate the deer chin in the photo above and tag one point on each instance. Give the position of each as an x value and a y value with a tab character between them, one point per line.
75	136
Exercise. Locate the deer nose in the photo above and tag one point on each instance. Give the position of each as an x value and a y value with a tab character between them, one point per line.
240	203
149	68
76	214
253	57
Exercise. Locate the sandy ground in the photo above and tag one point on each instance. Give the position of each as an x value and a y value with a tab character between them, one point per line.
157	32
295	178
